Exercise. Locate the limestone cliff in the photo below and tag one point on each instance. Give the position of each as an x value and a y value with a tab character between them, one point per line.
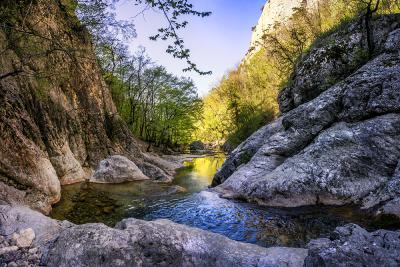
57	117
338	138
273	12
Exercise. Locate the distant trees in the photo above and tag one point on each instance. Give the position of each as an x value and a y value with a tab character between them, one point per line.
244	101
157	106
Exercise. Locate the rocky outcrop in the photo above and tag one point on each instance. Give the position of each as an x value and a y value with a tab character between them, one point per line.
57	117
338	138
117	169
139	243
274	12
335	58
353	246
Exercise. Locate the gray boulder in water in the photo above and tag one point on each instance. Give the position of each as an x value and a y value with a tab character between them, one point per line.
117	169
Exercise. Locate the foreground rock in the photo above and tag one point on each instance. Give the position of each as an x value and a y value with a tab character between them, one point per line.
117	169
353	246
338	139
139	243
163	243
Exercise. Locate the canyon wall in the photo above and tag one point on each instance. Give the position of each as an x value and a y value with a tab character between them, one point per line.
337	140
57	117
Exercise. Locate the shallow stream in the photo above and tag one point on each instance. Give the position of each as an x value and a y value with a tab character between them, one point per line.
198	207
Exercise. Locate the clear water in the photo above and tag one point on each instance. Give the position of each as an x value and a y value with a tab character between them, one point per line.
188	201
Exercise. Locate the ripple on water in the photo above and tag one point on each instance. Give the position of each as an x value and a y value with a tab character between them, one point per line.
84	203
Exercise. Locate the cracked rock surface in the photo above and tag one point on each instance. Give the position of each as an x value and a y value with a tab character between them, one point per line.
337	140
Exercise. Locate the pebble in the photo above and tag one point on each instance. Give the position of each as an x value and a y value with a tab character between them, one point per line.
8	249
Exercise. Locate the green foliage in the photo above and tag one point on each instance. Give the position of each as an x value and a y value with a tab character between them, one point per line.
43	87
99	16
244	101
246	98
157	106
70	6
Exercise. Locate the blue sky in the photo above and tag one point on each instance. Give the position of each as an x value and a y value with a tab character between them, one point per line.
218	43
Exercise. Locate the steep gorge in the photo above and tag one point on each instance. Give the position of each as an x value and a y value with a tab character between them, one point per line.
336	142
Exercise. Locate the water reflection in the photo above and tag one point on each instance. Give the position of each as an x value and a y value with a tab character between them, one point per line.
187	201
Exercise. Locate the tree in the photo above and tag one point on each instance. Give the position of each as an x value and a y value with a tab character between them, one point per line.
99	16
157	106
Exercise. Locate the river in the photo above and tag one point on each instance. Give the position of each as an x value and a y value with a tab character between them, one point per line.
188	201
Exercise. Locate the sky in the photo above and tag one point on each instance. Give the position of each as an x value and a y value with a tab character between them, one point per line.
218	43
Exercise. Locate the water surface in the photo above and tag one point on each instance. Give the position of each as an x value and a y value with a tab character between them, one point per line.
187	201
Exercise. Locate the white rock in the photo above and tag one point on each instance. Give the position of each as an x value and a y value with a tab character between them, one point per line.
24	238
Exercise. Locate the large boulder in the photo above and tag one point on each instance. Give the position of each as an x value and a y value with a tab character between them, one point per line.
353	246
161	243
117	169
139	243
340	145
15	219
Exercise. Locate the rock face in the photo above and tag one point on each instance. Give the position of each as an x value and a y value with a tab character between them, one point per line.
57	118
117	169
353	246
338	138
274	11
140	243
